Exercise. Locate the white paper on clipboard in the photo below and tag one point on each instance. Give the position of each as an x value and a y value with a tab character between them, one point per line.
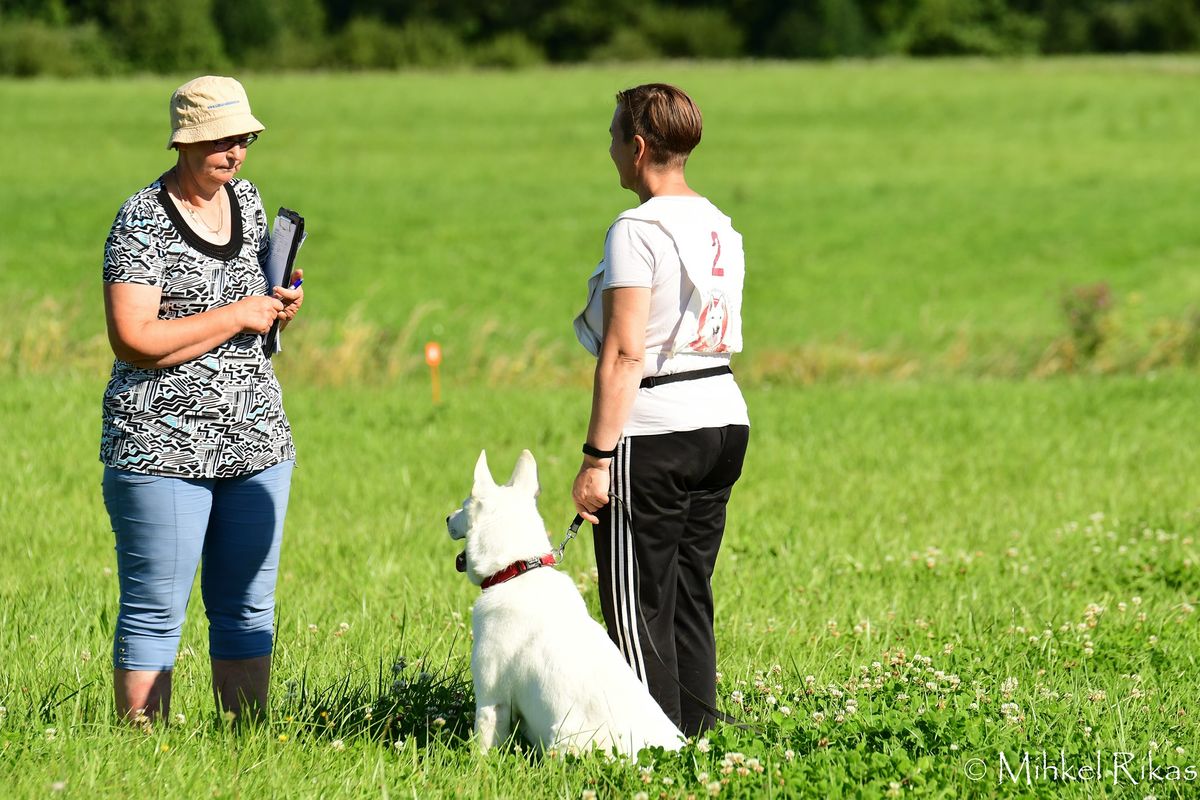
287	234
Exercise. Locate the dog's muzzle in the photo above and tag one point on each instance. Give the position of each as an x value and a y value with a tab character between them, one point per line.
460	562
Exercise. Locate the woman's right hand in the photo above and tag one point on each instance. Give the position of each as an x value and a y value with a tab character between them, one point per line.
256	313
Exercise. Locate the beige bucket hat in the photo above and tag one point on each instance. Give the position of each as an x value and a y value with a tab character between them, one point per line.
210	108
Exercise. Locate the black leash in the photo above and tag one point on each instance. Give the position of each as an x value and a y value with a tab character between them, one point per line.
719	715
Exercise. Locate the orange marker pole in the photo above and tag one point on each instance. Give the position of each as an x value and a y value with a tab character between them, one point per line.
433	357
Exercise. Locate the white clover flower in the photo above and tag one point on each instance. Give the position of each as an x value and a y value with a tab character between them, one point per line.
51	734
714	788
180	719
818	717
588	794
312	628
789	754
703	746
1009	687
736	697
785	710
338	745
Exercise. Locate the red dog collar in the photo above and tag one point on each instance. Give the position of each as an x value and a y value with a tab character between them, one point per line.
518	568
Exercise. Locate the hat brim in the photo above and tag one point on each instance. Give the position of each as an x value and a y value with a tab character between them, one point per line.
236	125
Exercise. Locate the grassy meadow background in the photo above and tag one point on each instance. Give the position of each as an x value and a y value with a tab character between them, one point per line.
968	518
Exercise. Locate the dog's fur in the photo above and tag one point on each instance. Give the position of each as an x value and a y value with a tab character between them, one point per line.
538	656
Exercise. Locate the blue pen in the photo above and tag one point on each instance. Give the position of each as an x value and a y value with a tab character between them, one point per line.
297	283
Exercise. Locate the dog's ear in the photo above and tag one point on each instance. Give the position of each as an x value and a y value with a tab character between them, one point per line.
483	476
524	475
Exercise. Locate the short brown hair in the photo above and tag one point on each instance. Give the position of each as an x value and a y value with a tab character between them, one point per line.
664	116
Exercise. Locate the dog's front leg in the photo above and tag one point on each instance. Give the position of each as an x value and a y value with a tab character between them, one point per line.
493	724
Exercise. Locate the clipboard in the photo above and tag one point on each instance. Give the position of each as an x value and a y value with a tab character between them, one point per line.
287	234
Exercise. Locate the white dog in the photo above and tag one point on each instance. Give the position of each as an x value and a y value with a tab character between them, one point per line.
538	656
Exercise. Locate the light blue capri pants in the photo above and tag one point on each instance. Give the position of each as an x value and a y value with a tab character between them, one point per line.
165	527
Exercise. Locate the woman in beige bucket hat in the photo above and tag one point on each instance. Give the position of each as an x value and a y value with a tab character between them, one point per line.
197	450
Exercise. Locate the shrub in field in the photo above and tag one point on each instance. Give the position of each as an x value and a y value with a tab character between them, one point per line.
692	32
626	44
508	51
32	47
968	27
367	43
827	29
1086	310
167	37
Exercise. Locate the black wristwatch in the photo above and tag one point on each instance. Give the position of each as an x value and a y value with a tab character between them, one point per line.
596	452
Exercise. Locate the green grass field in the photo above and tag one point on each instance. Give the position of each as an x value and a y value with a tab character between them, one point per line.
936	554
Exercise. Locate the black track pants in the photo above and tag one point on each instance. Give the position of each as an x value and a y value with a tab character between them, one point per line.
656	562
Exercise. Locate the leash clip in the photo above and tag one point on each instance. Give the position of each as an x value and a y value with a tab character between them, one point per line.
572	531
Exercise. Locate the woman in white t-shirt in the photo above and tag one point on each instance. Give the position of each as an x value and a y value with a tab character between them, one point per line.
668	428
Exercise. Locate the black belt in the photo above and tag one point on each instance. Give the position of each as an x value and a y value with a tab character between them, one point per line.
696	374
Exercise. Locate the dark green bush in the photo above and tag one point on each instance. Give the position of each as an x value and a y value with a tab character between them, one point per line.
626	44
32	47
508	51
167	36
826	29
969	27
367	43
691	32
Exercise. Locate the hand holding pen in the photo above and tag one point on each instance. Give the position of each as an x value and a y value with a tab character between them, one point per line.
292	298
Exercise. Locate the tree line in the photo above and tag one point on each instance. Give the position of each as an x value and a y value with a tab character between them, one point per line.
86	37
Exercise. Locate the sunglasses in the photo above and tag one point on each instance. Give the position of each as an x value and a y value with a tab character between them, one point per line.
221	145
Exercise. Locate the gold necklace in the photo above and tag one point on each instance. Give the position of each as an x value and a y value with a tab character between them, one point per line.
187	206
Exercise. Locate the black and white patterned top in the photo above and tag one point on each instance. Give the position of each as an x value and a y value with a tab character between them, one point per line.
218	415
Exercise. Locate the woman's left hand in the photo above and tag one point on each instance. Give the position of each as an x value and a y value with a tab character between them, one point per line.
292	299
590	491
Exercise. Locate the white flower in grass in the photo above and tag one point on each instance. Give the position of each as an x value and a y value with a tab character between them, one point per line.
58	786
312	628
398	744
893	789
736	697
1137	601
703	745
180	719
51	734
785	710
714	788
338	745
789	755
588	794
638	796
1179	750
668	781
1009	687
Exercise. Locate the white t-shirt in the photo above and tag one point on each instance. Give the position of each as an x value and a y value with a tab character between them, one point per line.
645	247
